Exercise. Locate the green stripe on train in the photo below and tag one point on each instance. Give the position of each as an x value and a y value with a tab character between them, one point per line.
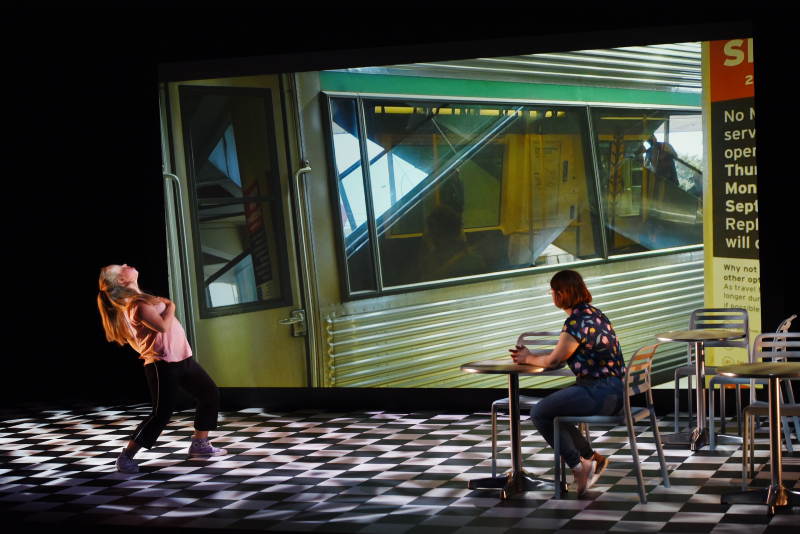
418	85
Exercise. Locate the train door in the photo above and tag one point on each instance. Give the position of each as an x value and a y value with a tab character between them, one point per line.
233	252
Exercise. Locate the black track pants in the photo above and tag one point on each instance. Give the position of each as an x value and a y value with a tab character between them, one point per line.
165	378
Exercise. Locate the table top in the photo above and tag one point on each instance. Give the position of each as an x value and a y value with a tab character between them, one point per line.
761	370
693	336
494	367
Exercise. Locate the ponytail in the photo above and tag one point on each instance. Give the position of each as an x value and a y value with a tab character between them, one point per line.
112	301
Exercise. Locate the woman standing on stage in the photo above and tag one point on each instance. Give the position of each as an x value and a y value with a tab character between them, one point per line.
148	324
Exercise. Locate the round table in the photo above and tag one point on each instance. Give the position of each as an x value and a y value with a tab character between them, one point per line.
517	479
776	494
698	436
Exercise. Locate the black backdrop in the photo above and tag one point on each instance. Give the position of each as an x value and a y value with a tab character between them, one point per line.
83	189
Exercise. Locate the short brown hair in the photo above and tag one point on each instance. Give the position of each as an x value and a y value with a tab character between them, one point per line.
569	290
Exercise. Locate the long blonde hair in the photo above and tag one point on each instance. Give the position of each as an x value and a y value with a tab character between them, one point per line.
112	301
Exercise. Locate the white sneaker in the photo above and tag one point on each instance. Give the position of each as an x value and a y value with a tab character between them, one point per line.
202	448
126	464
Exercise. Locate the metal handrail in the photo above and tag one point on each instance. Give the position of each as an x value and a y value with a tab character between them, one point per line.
306	239
184	257
305	264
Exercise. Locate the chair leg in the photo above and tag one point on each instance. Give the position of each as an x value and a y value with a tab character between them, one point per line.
744	452
712	431
739	409
790	400
787	432
636	464
557	456
677	402
689	390
751	423
494	441
723	424
659	448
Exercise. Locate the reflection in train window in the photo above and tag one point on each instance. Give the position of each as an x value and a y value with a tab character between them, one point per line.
236	205
457	190
651	177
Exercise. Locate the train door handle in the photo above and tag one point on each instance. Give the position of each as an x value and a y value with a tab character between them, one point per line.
298	322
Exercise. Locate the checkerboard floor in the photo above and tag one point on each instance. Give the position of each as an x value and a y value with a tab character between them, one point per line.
364	472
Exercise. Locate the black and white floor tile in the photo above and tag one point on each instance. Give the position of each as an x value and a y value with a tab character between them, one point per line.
360	472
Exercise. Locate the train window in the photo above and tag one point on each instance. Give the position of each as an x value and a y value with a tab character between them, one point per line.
235	191
651	177
352	196
457	190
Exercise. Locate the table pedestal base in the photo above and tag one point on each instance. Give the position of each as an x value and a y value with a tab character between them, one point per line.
513	483
697	438
725	439
773	495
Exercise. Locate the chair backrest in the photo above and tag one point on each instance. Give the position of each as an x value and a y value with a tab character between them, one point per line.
784	327
539	339
637	375
778	346
786	324
721	319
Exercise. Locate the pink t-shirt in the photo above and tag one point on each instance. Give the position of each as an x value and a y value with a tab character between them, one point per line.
170	346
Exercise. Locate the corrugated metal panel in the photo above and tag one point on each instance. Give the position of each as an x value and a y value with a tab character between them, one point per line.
424	345
671	67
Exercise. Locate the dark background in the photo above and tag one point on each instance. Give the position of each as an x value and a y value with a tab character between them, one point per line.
83	189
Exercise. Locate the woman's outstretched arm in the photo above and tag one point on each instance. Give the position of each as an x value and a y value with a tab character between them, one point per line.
148	315
564	348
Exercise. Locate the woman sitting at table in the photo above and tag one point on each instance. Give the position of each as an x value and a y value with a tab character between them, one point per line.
589	346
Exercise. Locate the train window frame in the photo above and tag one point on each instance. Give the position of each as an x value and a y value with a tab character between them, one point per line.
595	110
593	196
590	152
281	262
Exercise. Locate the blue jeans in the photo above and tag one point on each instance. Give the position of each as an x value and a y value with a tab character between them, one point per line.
586	397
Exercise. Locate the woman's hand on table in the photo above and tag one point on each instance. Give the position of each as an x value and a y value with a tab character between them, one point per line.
564	348
520	355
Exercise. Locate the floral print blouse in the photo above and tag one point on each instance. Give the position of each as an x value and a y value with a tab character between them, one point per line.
598	355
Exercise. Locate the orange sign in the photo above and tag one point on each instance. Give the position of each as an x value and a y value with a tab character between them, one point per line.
731	69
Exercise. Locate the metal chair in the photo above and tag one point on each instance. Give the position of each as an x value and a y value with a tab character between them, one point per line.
788	383
784	345
717	318
722	380
528	339
637	380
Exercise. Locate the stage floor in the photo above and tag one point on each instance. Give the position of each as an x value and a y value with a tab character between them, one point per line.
366	472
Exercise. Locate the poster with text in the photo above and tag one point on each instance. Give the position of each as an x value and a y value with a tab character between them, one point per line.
732	273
